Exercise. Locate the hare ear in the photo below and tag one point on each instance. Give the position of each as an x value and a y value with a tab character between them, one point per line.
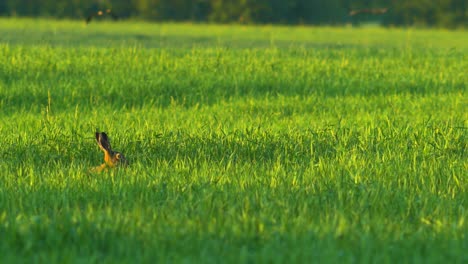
103	141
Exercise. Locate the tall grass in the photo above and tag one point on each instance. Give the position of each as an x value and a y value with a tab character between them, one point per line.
246	144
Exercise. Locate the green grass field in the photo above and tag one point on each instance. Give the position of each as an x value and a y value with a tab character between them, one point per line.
248	144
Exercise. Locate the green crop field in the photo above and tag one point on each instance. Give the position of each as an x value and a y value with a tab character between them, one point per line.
247	144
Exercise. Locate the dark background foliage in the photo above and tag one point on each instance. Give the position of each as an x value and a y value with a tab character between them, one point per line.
439	13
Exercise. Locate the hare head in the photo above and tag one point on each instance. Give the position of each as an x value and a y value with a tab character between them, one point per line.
111	158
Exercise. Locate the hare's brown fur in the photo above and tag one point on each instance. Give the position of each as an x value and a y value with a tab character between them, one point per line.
111	158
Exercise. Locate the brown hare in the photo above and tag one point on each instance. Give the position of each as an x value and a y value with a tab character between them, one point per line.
111	158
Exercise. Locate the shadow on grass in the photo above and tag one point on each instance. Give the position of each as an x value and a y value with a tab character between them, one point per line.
227	223
150	41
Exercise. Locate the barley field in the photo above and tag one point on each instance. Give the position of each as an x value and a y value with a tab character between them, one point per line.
247	144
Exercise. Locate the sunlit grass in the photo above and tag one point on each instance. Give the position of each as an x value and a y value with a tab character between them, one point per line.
246	144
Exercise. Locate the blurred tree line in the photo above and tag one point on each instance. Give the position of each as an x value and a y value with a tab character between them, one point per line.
444	13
